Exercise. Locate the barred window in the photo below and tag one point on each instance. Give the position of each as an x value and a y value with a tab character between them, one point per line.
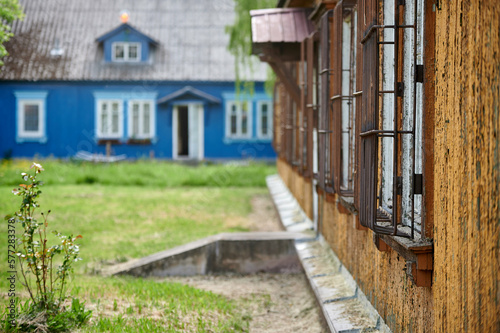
391	122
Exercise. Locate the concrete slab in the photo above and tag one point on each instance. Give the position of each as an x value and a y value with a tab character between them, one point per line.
245	253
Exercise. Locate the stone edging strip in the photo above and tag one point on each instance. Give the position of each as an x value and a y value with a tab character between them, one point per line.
345	308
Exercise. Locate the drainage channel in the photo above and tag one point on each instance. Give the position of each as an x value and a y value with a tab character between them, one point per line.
344	306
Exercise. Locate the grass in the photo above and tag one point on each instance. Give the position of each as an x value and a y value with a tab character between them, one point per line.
142	173
130	210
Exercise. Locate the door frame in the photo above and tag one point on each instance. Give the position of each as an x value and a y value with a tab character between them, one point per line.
200	110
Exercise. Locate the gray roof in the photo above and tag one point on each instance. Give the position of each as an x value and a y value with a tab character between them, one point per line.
192	41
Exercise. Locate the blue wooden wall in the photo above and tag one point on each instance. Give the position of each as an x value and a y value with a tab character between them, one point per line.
70	120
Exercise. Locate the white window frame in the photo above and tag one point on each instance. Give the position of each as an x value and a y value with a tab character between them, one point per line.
239	134
270	114
126	46
152	120
99	133
31	98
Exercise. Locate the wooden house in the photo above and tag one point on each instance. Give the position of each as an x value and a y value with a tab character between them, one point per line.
386	128
139	78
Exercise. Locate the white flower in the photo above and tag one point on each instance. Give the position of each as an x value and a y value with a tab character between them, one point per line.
37	166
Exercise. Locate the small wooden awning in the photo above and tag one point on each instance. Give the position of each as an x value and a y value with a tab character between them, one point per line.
276	37
282	29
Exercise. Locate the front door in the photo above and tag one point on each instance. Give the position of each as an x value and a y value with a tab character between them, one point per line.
187	133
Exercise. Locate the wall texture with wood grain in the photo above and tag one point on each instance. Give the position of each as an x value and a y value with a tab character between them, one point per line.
466	159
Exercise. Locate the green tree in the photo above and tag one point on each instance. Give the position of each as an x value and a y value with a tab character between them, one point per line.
10	10
240	41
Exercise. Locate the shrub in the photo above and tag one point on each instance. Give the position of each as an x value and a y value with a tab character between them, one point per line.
44	310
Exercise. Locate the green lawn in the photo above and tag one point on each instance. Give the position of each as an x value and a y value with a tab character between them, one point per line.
129	210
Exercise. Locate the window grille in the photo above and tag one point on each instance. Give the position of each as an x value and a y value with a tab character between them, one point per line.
342	101
390	138
324	116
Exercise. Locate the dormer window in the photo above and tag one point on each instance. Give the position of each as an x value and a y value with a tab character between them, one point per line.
126	44
126	52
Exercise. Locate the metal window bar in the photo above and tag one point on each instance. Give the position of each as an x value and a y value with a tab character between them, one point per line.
310	108
387	222
349	190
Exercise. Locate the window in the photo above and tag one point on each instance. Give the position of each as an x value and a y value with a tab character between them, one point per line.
325	119
109	119
141	122
31	116
343	102
238	120
264	120
123	52
391	122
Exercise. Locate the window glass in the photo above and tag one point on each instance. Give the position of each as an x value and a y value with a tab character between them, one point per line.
234	120
146	119
135	119
104	118
119	52
244	118
115	118
31	118
132	52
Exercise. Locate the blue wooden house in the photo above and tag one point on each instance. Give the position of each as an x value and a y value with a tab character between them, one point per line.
137	77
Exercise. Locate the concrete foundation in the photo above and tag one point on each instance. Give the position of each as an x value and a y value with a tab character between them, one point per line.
244	253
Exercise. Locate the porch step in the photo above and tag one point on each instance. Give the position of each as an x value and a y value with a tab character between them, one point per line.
344	306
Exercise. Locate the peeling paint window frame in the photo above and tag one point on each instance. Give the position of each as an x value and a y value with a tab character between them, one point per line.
399	164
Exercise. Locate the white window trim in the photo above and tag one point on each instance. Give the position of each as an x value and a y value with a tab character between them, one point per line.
101	135
270	114
238	134
21	132
31	97
152	119
125	52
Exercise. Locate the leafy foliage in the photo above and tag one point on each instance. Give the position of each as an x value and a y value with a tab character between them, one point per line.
240	40
10	10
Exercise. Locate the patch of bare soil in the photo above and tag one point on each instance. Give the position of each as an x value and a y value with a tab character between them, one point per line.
275	302
264	216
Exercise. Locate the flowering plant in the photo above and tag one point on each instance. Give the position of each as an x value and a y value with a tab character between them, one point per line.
37	259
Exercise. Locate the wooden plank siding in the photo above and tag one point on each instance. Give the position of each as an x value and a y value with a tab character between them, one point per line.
466	160
461	161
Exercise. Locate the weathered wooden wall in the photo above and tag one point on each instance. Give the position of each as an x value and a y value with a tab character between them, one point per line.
464	163
467	226
381	275
300	187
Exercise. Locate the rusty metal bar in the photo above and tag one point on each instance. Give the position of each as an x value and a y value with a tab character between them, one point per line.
396	139
378	26
333	98
414	120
